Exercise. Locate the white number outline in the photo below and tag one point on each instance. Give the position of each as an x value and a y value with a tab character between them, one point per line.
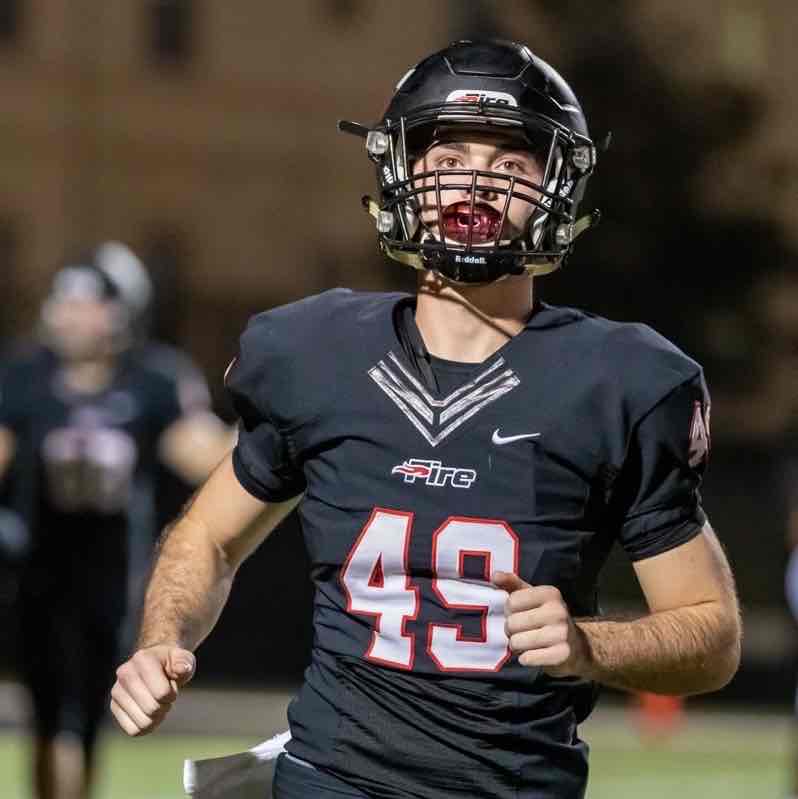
484	610
378	615
408	663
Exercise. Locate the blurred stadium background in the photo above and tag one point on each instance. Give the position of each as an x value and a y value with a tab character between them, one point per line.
203	135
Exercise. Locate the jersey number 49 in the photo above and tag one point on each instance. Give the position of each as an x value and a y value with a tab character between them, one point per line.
376	583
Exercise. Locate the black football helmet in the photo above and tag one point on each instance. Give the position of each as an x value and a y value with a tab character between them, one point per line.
494	87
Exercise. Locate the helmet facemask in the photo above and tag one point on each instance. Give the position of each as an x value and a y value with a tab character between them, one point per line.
476	241
494	87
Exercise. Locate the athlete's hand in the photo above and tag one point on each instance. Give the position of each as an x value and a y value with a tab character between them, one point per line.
540	629
147	685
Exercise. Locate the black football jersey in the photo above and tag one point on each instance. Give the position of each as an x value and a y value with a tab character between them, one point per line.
159	493
577	433
80	457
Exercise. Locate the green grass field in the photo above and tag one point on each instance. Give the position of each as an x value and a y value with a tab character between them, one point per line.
717	757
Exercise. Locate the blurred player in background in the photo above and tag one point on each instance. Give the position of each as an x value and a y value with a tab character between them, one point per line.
791	591
463	461
763	412
85	414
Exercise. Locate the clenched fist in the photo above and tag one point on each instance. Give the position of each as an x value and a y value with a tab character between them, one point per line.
540	629
147	685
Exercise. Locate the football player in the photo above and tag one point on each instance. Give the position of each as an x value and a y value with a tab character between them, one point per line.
463	461
791	593
83	421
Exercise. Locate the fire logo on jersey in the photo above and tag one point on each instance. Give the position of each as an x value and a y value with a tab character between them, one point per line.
434	473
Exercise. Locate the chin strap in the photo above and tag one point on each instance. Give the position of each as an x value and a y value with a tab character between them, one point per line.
585	223
411	259
414	260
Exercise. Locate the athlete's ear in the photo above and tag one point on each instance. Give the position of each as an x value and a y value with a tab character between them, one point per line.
508	581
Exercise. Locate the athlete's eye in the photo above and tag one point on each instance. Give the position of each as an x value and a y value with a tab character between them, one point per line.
510	165
448	162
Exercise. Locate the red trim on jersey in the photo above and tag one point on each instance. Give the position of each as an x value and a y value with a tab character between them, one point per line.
377	577
475	553
482	609
408	515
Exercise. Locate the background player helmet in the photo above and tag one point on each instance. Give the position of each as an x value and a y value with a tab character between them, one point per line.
130	279
495	87
110	273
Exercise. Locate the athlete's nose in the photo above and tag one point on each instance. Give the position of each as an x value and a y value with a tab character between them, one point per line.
485	188
491	185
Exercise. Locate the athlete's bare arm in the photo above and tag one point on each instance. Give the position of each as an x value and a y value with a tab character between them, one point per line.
688	643
8	446
197	561
195	444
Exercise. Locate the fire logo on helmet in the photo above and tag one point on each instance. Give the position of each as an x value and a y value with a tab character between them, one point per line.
477	96
434	473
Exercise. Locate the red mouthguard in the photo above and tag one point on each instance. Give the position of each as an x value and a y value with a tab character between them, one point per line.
458	220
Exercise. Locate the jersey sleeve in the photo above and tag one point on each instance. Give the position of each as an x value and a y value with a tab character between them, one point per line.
13	399
789	479
191	386
178	367
166	407
660	497
264	459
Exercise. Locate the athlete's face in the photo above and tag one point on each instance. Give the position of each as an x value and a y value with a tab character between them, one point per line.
502	157
80	328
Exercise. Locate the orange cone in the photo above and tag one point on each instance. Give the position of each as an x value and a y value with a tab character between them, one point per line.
659	716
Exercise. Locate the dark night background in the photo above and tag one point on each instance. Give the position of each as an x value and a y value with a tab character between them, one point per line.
211	149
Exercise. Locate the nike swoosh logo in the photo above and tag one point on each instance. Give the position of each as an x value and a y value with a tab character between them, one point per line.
499	440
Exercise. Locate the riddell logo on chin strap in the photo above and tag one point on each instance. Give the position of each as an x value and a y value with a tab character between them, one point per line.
433	473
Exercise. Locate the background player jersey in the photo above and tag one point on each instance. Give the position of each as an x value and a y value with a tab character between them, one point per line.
577	433
159	493
79	456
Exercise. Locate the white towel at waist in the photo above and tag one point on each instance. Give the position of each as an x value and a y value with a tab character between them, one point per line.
245	775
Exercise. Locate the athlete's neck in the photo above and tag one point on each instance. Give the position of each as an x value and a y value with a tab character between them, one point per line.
89	376
469	323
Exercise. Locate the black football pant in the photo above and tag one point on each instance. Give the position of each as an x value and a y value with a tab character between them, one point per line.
293	780
71	627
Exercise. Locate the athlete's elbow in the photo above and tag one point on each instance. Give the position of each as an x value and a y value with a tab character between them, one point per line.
722	660
716	675
728	658
189	540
